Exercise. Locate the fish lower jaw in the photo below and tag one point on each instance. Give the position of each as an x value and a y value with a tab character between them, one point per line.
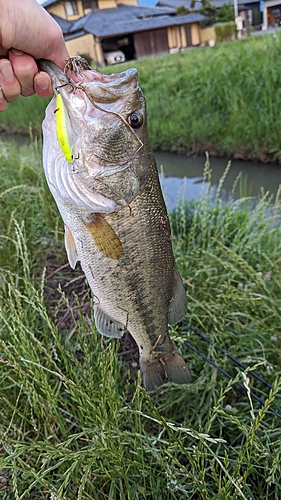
158	368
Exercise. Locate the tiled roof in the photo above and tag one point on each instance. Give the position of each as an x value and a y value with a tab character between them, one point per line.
142	25
126	19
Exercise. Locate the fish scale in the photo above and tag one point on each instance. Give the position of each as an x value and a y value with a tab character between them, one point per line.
125	250
134	284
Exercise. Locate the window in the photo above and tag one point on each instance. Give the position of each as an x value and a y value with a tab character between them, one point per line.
71	8
90	4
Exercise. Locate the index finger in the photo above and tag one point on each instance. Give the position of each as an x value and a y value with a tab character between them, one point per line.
25	69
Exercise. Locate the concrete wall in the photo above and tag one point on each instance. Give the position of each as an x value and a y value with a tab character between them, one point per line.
207	35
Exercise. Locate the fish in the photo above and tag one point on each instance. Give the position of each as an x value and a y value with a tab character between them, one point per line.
102	173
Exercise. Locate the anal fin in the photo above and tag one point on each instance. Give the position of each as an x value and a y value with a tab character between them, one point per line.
106	325
70	247
105	237
178	303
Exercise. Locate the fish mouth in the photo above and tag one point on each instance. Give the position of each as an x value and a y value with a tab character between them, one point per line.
97	86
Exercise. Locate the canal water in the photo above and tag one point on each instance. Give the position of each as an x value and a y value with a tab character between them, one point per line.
182	178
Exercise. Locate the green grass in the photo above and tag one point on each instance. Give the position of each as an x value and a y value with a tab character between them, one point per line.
24	115
220	98
75	422
225	99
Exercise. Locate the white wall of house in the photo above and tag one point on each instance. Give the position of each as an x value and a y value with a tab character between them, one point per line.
87	45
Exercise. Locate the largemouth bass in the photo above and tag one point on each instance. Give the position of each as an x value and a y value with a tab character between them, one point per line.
102	173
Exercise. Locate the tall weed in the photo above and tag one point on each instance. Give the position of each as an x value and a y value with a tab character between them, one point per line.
75	422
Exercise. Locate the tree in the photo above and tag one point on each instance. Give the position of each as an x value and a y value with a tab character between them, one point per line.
182	11
225	13
213	15
208	10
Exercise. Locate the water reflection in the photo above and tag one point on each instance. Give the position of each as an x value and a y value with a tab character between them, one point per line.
183	177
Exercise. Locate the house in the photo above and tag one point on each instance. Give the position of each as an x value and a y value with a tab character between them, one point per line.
248	10
136	31
74	9
271	13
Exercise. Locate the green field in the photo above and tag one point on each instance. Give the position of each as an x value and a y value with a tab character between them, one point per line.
75	422
225	99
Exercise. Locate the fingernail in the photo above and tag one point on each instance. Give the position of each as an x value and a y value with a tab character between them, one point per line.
42	83
1	95
6	71
17	52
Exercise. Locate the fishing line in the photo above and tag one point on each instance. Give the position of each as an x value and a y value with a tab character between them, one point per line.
255	375
225	373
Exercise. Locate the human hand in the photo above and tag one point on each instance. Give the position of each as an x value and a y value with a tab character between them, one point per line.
27	33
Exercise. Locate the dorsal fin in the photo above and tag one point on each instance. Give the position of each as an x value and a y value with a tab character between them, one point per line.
104	237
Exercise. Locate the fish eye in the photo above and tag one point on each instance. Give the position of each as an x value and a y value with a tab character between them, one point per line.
135	119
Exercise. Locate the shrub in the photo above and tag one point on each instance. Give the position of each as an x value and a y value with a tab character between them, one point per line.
225	32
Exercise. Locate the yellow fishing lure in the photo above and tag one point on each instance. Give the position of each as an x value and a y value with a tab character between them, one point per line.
63	129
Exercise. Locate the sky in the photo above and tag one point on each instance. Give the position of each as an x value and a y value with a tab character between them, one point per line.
147	3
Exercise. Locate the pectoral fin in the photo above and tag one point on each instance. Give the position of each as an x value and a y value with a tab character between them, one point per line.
178	303
106	325
105	238
70	247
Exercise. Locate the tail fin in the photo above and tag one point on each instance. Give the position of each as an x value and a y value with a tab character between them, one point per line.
169	368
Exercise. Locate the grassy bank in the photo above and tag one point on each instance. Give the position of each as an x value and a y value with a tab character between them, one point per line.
74	420
225	99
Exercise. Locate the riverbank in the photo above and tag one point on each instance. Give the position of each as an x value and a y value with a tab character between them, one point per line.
259	155
224	99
